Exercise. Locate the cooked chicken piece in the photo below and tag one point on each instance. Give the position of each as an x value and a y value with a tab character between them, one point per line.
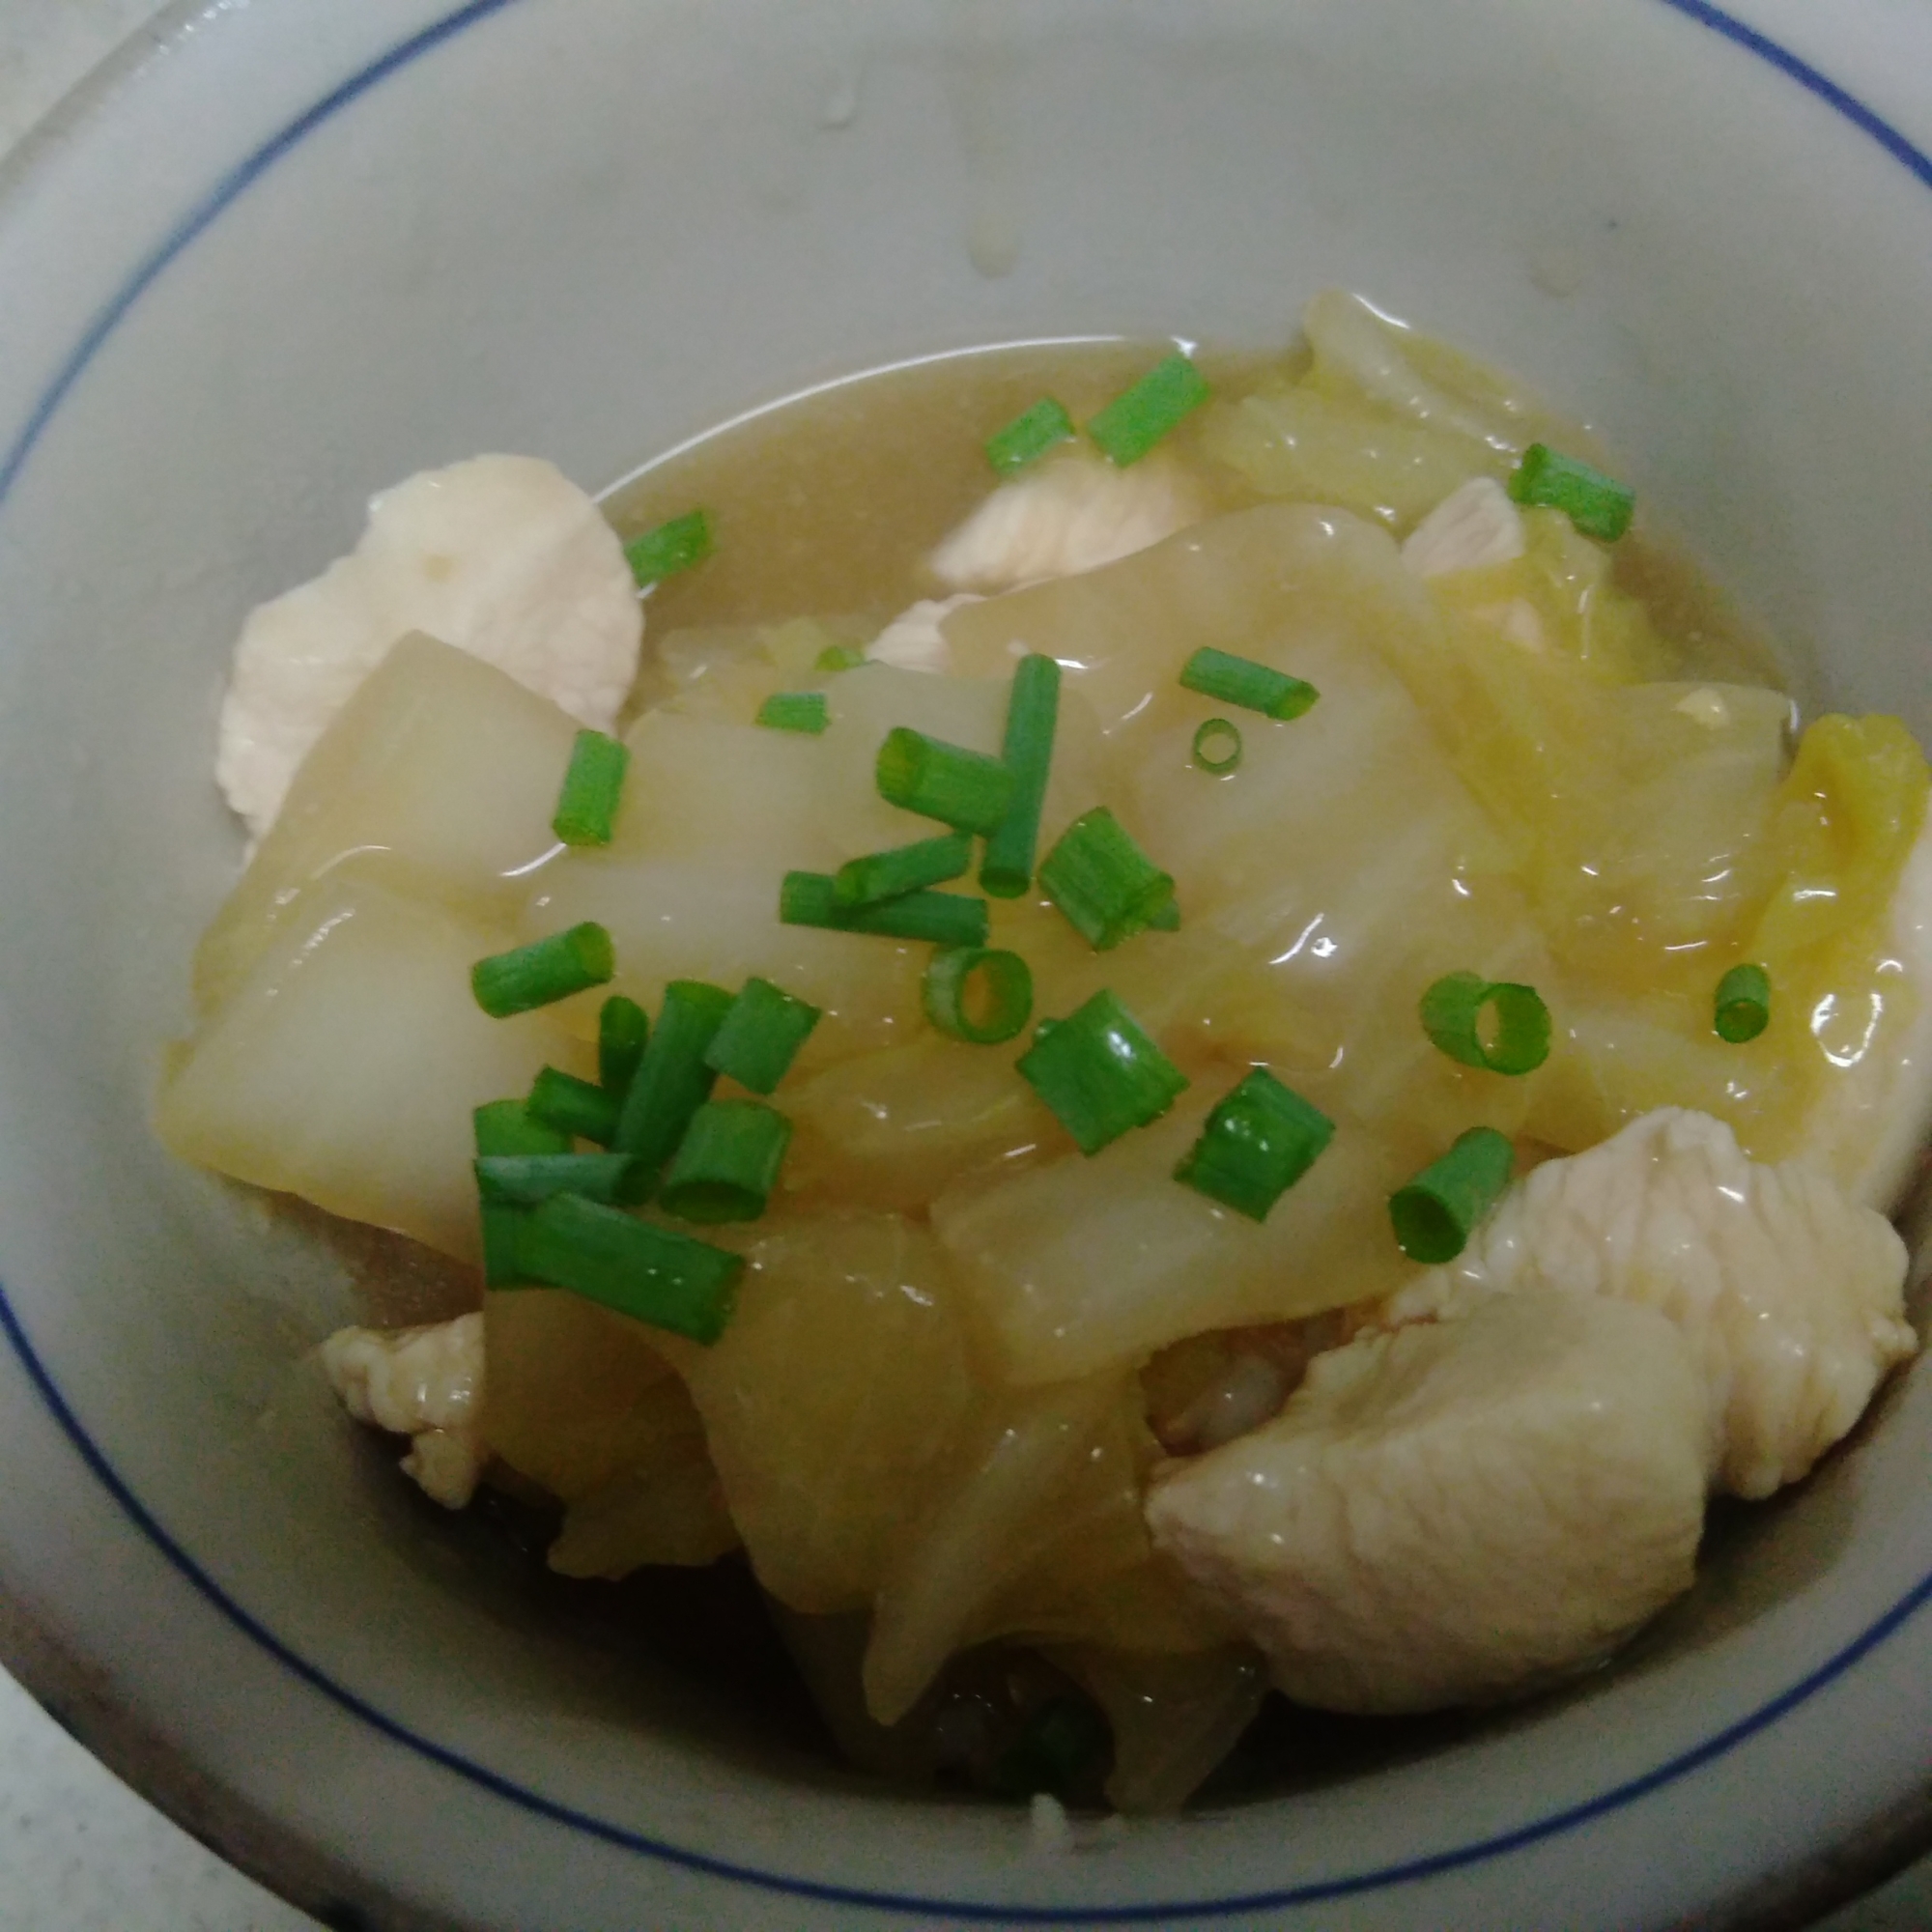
1789	1294
1455	1511
502	557
1067	515
1472	528
913	639
426	1383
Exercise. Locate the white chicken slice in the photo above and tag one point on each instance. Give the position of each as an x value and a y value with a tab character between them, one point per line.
425	1384
913	640
1473	527
1067	515
502	557
1789	1294
1455	1511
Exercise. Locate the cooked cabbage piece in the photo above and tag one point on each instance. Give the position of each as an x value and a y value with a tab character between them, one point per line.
440	771
346	1064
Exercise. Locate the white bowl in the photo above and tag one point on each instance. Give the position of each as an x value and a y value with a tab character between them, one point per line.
289	251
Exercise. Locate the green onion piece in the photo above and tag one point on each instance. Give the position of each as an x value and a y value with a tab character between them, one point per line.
672	1081
523	1180
1254	687
1063	1748
1099	1072
547	971
795	711
727	1162
1006	996
651	1274
1453	1017
1033	713
588	808
761	1035
1435	1214
572	1106
1217	747
939	918
1256	1145
1743	1008
623	1029
1108	888
672	547
839	657
1029	435
1597	504
886	875
505	1127
1137	418
964	789
1167	919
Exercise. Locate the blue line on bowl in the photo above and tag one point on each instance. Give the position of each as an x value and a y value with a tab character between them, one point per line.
202	216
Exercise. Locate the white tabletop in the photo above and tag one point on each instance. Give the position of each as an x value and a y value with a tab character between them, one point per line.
79	1851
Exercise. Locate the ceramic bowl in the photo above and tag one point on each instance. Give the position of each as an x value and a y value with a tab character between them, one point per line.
282	253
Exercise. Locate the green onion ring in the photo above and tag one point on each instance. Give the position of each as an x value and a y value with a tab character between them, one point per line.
1743	1006
1452	1012
1217	730
1008	981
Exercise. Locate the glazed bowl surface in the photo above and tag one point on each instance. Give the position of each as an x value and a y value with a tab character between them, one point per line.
282	253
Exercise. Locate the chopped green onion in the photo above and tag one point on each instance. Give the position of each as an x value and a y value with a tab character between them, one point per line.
1137	418
1743	1008
587	811
1167	919
652	1274
904	868
1254	687
1007	1000
1453	1012
795	711
1029	435
544	972
1435	1214
1257	1144
964	789
1062	1750
760	1036
839	657
727	1162
623	1030
1108	888
672	1081
523	1180
572	1106
1217	747
1033	712
940	919
505	1127
672	547
1099	1072
1597	504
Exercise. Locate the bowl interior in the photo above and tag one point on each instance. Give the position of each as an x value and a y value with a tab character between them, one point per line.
587	232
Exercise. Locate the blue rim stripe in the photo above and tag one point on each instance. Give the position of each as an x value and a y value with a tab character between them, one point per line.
1808	76
196	223
214	203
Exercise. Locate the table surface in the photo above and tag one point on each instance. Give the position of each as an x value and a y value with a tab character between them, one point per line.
79	1851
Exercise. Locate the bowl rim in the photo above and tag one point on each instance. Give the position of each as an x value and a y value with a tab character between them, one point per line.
249	1837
